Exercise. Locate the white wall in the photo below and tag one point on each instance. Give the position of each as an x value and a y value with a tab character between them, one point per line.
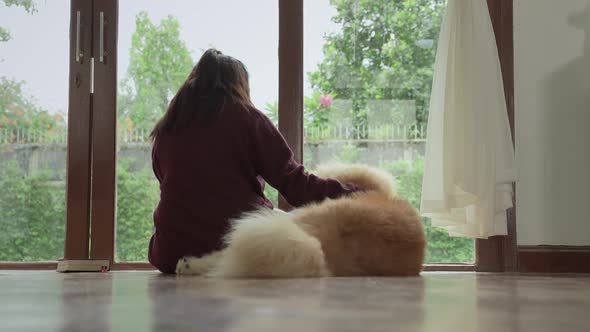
552	105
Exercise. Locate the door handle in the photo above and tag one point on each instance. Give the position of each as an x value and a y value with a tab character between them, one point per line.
101	52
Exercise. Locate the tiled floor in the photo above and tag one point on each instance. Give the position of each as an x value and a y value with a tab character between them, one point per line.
148	301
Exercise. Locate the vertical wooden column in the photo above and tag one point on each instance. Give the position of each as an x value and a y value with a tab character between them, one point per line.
291	77
104	124
499	253
79	128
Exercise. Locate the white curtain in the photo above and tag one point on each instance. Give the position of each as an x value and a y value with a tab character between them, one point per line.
470	165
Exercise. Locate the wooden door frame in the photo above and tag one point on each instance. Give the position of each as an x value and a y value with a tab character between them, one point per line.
79	128
499	253
104	128
78	162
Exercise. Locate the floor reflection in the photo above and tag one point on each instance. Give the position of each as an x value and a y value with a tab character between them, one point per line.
86	301
149	301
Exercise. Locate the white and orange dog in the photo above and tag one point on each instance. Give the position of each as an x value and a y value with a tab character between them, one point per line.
370	233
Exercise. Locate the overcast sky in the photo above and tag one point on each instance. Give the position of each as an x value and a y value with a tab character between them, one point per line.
248	30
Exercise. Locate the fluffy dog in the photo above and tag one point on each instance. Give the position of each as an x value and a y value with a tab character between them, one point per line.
369	233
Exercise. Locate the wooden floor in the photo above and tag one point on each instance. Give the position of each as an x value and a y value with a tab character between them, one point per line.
148	301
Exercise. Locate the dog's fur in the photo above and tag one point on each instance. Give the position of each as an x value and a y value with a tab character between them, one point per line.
374	232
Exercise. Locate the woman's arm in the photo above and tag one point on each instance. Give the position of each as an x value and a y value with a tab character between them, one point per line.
274	161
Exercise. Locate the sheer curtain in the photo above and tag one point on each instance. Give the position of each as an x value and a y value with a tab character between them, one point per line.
470	165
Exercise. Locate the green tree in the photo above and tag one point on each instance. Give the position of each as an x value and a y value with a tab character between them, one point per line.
28	5
137	196
32	214
384	50
18	110
159	62
32	205
272	111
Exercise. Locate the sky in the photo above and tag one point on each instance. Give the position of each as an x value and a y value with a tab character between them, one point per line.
247	30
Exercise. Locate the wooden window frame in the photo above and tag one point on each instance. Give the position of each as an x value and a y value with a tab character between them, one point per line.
91	163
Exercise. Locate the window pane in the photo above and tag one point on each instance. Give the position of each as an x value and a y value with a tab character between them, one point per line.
159	42
33	131
368	75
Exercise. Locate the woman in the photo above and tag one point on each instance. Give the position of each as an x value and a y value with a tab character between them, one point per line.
212	151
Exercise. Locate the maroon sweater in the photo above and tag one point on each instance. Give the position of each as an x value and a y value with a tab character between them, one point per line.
209	175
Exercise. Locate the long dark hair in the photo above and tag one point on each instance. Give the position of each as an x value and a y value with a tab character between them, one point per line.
214	81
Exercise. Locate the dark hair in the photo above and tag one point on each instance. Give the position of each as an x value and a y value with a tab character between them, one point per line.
214	81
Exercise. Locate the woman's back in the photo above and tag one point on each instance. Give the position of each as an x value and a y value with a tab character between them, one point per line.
210	169
211	151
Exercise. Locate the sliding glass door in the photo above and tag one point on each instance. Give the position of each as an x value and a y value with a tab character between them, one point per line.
158	44
343	80
368	72
33	130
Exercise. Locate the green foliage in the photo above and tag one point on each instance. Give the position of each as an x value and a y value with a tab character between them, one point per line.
441	247
272	194
17	110
32	215
385	50
315	115
272	111
348	155
4	34
28	5
159	62
137	195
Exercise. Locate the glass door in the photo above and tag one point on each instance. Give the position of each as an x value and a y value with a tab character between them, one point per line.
158	45
368	72
355	89
33	129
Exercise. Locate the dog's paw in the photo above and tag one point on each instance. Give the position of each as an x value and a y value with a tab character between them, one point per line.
190	265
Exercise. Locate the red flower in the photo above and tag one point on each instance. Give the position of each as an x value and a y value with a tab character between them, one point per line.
326	100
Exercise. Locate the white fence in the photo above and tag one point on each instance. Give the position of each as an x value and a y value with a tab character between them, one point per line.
366	133
28	135
387	133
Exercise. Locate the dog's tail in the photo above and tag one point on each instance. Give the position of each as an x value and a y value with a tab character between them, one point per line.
268	244
366	177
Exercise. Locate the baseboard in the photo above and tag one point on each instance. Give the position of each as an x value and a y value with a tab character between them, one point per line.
83	265
132	266
448	267
554	259
28	265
